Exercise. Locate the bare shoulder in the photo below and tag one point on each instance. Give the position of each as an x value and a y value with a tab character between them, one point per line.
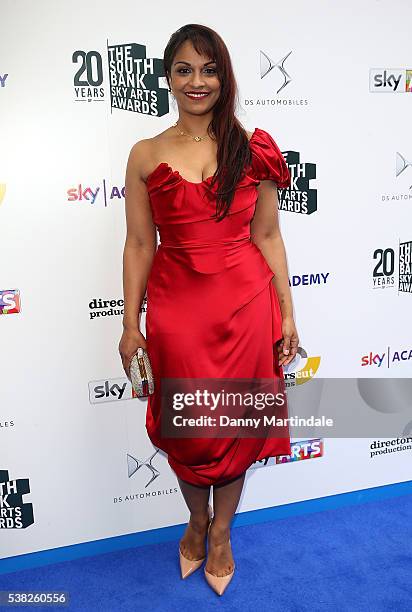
249	134
144	153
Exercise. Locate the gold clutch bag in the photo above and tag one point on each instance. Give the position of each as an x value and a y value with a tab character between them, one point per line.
141	375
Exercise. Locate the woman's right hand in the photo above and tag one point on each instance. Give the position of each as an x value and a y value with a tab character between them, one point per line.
130	341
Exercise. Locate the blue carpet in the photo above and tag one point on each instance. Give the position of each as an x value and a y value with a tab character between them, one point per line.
355	558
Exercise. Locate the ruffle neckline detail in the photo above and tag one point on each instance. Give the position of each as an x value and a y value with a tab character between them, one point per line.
267	163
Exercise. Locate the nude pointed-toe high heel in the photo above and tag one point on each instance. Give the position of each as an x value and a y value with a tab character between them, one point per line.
219	583
188	566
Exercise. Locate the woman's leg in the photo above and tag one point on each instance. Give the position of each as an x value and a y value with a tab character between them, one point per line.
225	501
193	543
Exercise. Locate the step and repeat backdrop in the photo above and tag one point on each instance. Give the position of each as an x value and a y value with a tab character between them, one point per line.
80	83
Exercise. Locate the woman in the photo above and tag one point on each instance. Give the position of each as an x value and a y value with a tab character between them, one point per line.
212	308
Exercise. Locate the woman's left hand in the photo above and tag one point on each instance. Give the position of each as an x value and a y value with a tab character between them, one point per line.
288	346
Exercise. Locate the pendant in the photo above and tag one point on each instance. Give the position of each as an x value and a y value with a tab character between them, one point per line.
197	138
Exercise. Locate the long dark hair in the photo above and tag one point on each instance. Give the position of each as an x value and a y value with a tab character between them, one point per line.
233	152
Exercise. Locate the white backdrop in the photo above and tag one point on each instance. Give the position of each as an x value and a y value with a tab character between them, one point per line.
71	435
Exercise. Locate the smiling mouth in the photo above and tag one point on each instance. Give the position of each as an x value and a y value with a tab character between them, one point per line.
197	95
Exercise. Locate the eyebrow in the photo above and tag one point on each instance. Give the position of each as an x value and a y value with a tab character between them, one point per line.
189	64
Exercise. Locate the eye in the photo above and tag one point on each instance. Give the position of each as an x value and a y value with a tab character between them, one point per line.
208	70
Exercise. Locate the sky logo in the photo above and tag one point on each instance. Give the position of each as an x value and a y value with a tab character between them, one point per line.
390	80
95	195
389	358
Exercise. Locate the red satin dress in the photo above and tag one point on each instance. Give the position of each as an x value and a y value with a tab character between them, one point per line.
212	309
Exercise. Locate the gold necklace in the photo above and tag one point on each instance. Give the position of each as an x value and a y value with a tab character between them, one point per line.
196	138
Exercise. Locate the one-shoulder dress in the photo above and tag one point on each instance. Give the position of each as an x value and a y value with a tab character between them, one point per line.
212	309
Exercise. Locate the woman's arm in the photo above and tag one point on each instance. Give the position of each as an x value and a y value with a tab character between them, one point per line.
265	233
139	250
140	245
